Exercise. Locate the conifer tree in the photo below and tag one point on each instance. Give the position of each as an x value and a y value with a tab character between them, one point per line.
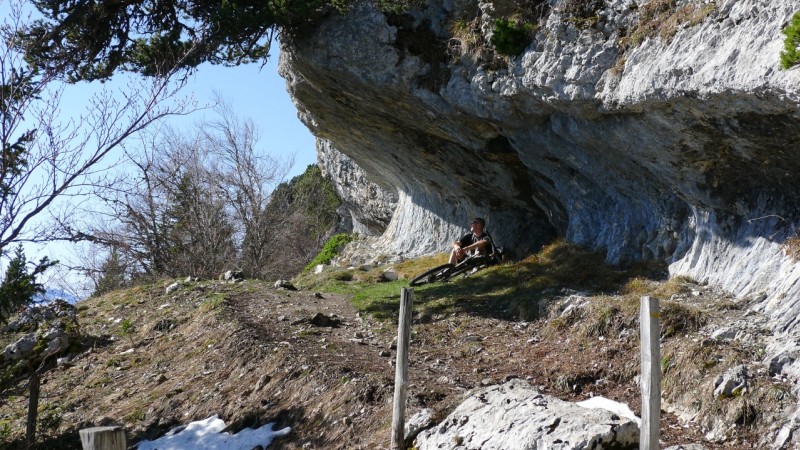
19	287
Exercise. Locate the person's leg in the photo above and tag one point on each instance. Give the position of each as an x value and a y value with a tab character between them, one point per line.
453	257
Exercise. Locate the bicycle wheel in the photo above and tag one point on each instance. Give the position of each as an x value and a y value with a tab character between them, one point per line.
436	274
460	270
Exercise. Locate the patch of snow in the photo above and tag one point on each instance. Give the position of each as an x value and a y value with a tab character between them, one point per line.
206	435
610	405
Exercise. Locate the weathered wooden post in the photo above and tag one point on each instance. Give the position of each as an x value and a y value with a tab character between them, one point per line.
401	374
651	374
103	438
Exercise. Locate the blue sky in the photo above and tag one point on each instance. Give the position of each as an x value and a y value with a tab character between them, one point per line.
259	94
254	92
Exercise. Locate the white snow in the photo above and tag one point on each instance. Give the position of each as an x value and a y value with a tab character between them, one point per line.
206	435
618	408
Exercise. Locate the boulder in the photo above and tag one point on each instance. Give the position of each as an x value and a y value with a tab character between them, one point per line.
731	383
284	284
232	275
321	320
515	416
389	274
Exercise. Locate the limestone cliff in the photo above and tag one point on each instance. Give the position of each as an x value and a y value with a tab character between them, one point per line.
652	129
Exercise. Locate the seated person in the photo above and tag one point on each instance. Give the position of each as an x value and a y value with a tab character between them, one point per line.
477	240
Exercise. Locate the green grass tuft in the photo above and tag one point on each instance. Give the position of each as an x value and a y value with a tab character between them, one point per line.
790	56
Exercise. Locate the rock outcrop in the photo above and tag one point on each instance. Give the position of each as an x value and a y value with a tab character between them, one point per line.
681	144
514	416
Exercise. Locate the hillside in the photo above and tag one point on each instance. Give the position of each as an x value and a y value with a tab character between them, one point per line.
560	319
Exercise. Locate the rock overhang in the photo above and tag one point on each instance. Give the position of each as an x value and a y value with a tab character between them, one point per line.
688	150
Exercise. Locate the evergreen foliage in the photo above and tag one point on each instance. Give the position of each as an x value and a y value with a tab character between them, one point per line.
303	215
112	274
91	40
19	286
790	56
510	37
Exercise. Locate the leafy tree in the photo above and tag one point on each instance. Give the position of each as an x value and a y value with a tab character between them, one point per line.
19	286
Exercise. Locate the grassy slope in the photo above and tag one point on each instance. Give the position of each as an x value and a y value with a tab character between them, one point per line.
230	349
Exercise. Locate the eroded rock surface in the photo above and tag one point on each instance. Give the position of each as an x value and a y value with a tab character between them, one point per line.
514	416
682	148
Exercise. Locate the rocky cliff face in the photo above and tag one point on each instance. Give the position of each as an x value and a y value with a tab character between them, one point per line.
675	138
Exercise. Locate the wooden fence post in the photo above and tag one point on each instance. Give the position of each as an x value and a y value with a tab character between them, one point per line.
651	373
103	438
401	374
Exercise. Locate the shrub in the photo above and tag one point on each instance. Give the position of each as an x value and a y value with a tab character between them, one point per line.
790	56
331	248
510	37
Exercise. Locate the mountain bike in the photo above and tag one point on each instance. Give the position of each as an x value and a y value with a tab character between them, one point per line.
467	266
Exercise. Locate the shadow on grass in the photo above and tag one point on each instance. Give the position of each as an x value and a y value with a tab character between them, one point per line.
512	291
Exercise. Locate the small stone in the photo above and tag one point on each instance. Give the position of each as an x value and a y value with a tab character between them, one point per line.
284	284
389	274
321	320
318	269
172	288
385	354
282	318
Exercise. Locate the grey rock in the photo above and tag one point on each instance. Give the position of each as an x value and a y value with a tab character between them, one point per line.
417	423
232	275
321	320
782	438
172	288
284	284
510	417
731	383
779	361
20	348
389	274
725	334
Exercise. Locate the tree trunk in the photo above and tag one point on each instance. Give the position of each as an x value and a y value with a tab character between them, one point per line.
33	409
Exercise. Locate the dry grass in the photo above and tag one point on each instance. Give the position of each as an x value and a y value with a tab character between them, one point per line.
663	18
466	38
791	246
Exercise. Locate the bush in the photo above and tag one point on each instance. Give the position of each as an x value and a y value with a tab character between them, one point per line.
331	248
790	56
510	37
